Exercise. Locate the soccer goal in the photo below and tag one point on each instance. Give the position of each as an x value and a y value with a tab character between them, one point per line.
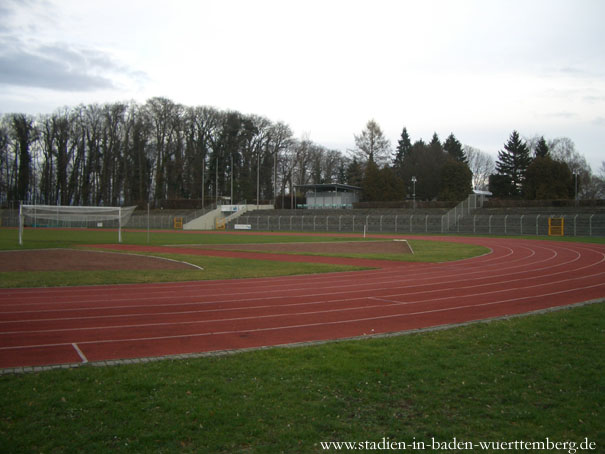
73	216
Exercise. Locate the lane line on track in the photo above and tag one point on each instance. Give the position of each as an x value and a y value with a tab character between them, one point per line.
306	325
79	352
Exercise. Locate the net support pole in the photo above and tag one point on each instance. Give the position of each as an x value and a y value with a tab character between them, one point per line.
119	224
20	224
147	222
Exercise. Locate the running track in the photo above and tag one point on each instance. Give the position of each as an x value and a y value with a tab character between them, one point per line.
88	324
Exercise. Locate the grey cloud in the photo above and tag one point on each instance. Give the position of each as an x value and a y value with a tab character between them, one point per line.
28	69
61	67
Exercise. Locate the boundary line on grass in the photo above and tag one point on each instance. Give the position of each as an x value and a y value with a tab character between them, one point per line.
185	356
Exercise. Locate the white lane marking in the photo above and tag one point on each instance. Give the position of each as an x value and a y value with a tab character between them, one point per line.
80	353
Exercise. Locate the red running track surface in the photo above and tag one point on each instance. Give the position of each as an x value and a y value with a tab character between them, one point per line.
79	324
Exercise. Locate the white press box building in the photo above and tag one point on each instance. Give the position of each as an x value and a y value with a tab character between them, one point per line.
330	196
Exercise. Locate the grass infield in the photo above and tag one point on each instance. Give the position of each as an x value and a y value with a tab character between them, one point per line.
213	267
528	378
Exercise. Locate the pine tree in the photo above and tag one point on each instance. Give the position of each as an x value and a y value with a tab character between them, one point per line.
548	179
454	148
513	162
354	173
404	146
435	144
371	184
542	149
456	181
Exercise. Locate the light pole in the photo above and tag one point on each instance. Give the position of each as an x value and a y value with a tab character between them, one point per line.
575	174
414	191
258	180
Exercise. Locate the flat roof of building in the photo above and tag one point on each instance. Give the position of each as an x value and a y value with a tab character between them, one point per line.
329	187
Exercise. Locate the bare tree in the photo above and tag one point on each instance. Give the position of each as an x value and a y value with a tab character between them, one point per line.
563	149
4	160
280	138
481	165
371	145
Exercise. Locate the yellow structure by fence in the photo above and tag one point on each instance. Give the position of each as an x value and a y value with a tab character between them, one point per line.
556	226
220	224
178	223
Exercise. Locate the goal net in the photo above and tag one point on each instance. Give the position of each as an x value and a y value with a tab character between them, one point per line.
73	216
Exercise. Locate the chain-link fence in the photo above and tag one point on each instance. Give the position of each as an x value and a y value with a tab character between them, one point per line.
575	224
508	224
163	219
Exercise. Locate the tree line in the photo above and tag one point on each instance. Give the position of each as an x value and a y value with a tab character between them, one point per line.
419	170
537	169
130	153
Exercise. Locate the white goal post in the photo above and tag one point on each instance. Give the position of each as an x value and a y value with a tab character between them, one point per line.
72	216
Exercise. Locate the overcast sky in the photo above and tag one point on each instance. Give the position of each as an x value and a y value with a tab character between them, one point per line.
479	69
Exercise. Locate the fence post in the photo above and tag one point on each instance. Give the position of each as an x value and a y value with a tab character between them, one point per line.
590	225
339	225
522	224
537	217
411	217
505	218
489	223
21	223
396	223
474	224
426	223
574	224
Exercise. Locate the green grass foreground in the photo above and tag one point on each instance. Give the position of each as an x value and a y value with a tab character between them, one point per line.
525	379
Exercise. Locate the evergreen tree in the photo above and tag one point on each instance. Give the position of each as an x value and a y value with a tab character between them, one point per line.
500	186
404	146
382	185
393	187
546	179
454	148
513	162
354	173
372	190
456	181
435	144
542	149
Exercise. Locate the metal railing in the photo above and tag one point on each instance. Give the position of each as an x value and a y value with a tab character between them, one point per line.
138	220
507	224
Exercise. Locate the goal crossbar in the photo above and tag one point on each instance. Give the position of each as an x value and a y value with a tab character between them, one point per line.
83	215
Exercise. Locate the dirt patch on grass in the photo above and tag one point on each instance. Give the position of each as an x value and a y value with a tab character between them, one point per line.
334	247
77	260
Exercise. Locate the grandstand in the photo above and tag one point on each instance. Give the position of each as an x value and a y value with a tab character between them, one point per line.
469	217
490	219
